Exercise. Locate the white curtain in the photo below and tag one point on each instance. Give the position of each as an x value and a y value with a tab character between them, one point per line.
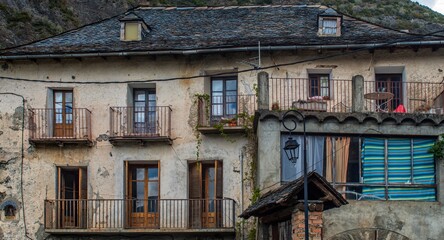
329	26
315	157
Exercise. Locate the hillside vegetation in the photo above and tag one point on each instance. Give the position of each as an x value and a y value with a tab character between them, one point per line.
23	21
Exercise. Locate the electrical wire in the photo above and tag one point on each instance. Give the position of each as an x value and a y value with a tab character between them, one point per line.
387	44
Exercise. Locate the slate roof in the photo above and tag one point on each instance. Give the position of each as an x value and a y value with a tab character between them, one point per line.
284	195
191	28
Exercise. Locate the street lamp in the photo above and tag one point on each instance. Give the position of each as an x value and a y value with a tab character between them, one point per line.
292	152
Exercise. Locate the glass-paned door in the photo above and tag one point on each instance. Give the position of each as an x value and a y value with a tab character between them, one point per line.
391	83
223	98
144	111
205	193
144	196
63	114
319	85
72	194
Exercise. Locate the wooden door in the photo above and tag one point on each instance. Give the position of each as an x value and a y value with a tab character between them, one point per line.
144	111
63	114
144	196
72	185
205	192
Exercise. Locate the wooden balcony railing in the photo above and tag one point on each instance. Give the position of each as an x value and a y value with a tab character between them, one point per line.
120	214
229	111
336	96
59	125
140	122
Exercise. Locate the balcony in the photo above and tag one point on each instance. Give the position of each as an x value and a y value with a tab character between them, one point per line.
374	96
139	216
140	124
230	114
60	126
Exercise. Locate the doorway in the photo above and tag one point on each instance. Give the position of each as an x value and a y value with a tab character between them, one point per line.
143	193
72	195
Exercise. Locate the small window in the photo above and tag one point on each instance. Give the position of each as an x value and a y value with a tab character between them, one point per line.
132	31
329	27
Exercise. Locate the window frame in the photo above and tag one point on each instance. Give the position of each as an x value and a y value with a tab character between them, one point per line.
224	96
322	29
317	77
123	31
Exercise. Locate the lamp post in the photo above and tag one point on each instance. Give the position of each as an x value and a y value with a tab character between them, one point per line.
291	150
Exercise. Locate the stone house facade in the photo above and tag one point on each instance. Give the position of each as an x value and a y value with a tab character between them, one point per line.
145	124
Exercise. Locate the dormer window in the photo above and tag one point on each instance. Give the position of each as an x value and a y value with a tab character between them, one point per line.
329	26
132	28
132	31
329	23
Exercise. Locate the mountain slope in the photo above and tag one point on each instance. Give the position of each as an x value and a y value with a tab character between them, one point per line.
23	21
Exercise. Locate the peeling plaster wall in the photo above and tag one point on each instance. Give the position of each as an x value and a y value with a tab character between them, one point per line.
105	162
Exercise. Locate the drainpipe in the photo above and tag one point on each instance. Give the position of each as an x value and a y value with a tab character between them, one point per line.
242	189
22	158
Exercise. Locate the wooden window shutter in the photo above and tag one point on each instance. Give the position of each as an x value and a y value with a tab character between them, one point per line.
195	194
219	179
83	183
83	195
195	181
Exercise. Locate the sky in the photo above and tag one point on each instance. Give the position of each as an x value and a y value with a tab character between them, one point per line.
437	5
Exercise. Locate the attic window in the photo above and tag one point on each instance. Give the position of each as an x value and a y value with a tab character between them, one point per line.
329	23
132	31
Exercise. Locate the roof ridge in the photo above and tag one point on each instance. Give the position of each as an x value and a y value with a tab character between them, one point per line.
147	7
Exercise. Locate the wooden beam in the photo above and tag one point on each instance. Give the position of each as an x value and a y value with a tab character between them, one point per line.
277	216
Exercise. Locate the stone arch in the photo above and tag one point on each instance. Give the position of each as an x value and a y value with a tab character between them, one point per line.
369	234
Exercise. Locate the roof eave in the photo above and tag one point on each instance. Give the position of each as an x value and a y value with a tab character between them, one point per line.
222	50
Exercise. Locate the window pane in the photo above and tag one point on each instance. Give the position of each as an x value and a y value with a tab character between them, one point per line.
68	97
140	117
68	108
59	107
217	85
231	85
58	96
231	108
138	174
68	118
131	31
139	95
217	97
217	110
153	173
59	118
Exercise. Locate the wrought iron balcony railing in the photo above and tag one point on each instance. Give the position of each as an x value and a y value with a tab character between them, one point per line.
59	125
103	215
140	122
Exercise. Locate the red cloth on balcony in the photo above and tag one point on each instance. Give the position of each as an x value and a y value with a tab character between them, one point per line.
400	109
